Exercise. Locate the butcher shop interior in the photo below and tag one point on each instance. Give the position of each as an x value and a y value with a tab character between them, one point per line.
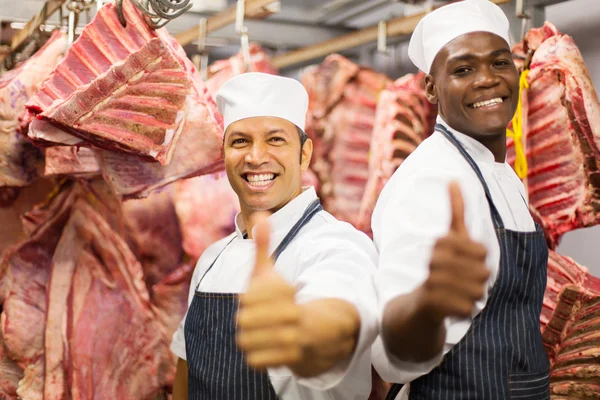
106	206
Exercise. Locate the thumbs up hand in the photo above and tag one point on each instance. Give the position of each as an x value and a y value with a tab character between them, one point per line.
268	318
458	274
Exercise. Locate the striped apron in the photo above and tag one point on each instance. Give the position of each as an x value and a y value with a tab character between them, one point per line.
216	367
501	356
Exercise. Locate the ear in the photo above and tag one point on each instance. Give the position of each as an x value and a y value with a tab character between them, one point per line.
430	89
307	151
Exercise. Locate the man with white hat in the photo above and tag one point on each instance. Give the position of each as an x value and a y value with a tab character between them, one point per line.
284	308
461	280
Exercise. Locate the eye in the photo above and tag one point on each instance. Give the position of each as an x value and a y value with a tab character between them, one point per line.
502	63
461	70
277	139
238	142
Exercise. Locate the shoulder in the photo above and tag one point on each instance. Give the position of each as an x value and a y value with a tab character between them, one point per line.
209	255
325	232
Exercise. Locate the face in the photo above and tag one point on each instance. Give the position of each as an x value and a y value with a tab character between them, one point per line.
262	160
475	83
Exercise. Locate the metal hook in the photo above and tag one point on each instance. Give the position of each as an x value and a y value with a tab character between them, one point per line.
71	29
202	61
242	30
382	46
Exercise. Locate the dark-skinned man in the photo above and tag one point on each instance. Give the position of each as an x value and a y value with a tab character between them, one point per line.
284	309
460	309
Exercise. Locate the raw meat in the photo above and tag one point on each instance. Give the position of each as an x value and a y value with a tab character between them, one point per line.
170	297
561	134
342	105
572	332
129	74
221	71
199	152
154	235
71	161
404	118
18	158
206	207
10	374
24	273
125	358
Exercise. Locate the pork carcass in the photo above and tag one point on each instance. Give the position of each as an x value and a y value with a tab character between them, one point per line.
570	329
342	102
561	134
404	118
206	207
221	71
19	160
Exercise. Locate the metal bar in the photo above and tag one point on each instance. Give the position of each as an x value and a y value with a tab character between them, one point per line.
222	19
49	8
395	27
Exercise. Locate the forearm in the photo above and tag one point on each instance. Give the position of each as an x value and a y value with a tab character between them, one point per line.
180	387
409	330
329	334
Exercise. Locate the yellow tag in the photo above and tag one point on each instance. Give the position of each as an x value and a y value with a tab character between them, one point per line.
517	133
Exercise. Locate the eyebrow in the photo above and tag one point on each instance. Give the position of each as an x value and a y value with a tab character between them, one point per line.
470	56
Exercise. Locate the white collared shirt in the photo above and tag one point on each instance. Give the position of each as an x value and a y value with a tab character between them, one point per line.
413	211
328	258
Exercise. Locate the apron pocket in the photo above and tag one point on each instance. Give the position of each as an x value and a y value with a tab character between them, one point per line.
531	385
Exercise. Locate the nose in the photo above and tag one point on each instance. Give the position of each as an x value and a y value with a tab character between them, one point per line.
485	78
258	154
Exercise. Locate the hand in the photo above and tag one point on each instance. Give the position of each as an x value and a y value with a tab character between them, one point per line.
458	274
268	319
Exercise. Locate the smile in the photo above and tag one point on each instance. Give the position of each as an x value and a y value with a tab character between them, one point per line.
488	103
259	180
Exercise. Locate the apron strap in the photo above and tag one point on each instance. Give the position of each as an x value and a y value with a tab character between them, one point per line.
310	212
496	218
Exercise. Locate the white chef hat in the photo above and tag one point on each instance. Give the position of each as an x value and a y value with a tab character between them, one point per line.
445	24
256	94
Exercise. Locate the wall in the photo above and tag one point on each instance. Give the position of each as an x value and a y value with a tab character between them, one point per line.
581	20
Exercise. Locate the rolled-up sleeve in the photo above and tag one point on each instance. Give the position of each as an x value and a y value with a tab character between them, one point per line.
343	267
407	222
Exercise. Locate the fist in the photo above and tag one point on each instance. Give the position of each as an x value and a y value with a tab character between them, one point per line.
458	274
268	318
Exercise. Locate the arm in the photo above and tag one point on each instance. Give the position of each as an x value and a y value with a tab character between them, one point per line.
180	387
329	331
413	324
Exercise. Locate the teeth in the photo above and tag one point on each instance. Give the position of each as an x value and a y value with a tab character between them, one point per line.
260	180
491	102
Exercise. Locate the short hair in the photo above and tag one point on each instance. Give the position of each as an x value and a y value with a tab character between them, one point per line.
303	139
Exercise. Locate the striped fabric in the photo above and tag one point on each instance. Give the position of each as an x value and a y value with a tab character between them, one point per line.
216	368
501	356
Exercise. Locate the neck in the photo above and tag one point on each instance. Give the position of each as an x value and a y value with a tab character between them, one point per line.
246	213
496	144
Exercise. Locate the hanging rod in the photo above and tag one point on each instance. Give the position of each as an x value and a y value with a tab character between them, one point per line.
254	9
395	27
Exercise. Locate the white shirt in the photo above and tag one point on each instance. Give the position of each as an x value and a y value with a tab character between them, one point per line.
413	211
328	258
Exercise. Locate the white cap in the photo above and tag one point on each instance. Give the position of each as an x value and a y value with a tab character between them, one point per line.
255	94
445	24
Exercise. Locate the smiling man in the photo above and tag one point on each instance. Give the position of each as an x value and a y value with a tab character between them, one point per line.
461	307
289	313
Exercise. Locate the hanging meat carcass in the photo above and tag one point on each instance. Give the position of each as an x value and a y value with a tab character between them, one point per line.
570	325
343	98
221	71
132	92
561	133
404	118
19	160
76	314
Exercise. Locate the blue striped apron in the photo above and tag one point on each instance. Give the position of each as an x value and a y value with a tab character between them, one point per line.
216	367
501	356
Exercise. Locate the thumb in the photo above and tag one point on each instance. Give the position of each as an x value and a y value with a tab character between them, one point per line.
457	206
261	237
